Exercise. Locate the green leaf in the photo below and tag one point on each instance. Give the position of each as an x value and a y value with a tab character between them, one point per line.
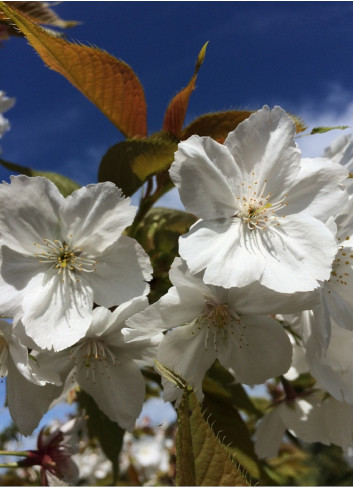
116	167
223	398
64	184
160	220
320	130
171	376
158	234
129	163
202	460
152	155
225	420
108	433
220	383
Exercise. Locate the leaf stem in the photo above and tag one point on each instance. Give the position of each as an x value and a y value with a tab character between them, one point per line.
14	453
9	465
146	205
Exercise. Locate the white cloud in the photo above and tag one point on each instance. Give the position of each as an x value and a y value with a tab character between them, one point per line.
335	110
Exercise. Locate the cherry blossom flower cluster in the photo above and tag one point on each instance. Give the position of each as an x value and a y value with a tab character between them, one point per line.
264	278
273	237
64	265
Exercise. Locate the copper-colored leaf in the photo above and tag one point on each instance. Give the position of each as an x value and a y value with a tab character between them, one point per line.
106	81
175	113
42	13
299	123
216	125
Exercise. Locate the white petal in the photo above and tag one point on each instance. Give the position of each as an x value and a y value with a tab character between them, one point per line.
306	419
318	189
144	325
258	299
17	270
316	329
101	321
339	422
180	305
344	222
269	435
96	215
47	363
29	211
183	351
234	256
181	277
341	150
340	306
123	271
56	314
334	370
296	259
19	357
224	251
118	390
28	402
115	333
264	144
204	173
259	350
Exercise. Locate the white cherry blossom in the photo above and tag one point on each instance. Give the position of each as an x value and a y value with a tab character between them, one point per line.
312	418
326	331
209	322
60	255
262	208
106	364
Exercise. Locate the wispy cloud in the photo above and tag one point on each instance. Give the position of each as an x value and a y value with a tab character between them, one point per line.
336	109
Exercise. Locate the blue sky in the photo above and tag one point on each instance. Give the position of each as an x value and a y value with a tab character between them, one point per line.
293	54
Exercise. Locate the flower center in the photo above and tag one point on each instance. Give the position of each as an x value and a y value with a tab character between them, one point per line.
220	322
92	354
4	354
255	208
67	259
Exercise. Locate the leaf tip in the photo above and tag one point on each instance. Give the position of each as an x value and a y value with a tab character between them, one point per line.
201	56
